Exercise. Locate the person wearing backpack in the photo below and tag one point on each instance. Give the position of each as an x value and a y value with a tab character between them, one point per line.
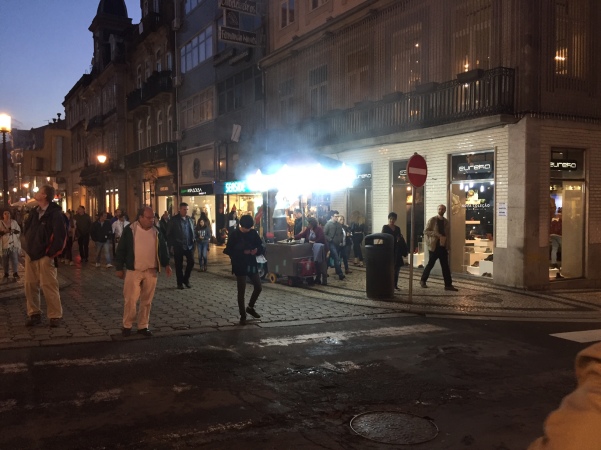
45	236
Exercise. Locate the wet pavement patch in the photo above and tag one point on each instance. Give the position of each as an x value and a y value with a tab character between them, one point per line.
393	427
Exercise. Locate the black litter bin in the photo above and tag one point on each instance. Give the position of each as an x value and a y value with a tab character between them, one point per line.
379	265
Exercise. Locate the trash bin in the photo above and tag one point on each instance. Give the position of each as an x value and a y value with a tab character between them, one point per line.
379	265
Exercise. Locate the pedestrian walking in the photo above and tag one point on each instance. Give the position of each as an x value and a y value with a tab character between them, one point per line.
45	237
142	251
243	246
347	244
358	233
163	224
117	228
180	236
203	237
101	234
67	255
10	244
83	226
334	237
438	232
400	246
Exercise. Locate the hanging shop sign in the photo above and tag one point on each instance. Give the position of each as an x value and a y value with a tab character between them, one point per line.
363	178
564	164
236	36
243	6
203	189
231	187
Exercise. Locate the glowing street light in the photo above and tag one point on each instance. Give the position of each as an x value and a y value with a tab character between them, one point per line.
101	158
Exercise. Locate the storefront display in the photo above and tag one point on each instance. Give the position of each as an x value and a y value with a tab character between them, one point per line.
472	213
200	198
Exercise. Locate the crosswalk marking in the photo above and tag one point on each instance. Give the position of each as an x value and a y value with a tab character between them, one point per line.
336	337
580	336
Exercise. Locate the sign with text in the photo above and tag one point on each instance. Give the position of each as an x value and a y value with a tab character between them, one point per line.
237	36
243	6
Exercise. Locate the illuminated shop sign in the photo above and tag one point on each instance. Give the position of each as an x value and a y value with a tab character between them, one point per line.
564	164
477	167
236	187
206	189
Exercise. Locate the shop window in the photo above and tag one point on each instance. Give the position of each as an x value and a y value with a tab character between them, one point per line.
471	212
566	214
402	203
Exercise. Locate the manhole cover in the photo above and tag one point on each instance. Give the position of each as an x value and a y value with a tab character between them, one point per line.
390	427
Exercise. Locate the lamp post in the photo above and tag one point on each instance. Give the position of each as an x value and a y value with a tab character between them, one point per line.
5	128
101	201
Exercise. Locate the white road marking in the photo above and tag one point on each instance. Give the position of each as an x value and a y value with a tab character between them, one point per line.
337	337
580	336
13	368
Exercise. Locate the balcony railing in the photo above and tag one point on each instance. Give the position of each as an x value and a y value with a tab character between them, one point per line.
155	84
434	104
156	154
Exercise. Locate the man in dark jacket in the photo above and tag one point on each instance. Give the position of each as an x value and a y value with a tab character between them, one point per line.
83	225
142	250
180	236
334	236
101	234
45	237
243	247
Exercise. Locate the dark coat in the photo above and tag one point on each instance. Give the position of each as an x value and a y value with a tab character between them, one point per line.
237	243
125	253
175	236
45	236
101	231
400	246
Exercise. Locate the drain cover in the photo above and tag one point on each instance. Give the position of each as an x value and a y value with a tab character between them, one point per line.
390	427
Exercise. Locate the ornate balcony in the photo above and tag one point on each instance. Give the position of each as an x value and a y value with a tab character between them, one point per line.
165	152
491	93
157	83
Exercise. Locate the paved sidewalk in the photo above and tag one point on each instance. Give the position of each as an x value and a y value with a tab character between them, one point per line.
93	304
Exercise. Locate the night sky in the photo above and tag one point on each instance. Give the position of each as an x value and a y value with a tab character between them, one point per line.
45	47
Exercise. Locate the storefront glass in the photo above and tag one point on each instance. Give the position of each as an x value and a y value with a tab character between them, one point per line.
471	213
199	198
359	197
401	203
566	213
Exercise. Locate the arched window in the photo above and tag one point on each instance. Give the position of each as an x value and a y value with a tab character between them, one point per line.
159	127
148	132
140	135
159	60
169	125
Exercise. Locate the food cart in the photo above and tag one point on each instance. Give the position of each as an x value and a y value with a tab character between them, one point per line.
291	259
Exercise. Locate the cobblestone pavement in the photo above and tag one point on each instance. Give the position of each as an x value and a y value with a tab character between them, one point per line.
93	304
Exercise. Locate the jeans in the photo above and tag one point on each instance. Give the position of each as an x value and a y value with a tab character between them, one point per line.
344	252
555	244
84	246
442	254
103	247
203	248
357	240
241	282
178	258
336	257
10	256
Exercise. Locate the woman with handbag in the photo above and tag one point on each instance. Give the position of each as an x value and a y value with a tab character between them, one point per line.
11	244
400	246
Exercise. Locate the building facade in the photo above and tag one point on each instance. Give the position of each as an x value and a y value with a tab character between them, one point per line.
502	99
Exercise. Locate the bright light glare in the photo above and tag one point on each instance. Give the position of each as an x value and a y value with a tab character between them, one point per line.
299	180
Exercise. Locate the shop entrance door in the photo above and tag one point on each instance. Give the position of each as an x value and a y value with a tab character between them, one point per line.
566	230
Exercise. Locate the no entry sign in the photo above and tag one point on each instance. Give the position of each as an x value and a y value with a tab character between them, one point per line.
417	170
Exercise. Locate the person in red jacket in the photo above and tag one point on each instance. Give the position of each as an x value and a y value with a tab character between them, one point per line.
314	234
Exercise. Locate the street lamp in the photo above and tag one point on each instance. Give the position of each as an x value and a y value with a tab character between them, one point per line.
102	198
5	128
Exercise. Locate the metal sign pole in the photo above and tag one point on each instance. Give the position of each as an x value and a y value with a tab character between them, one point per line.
411	244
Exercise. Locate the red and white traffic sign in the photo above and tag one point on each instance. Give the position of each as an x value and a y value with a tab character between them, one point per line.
417	170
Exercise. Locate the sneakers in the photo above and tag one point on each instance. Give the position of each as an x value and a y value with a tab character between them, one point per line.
145	332
423	284
243	320
450	288
33	320
180	286
347	271
71	263
108	266
125	332
55	322
252	312
341	277
97	264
